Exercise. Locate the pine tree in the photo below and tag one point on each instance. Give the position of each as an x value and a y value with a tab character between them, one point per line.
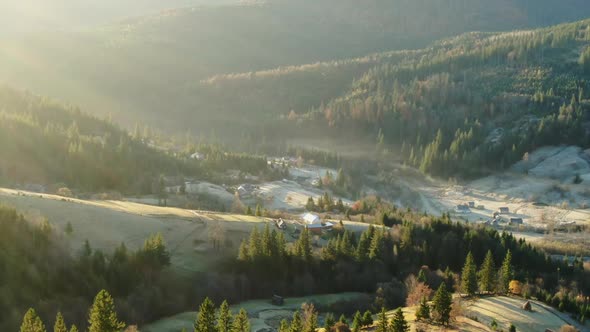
102	317
342	319
512	328
399	324
383	324
312	322
442	304
367	318
248	210
422	275
258	210
241	322
74	328
224	319
60	325
486	274
423	311
469	276
32	322
296	324
506	273
357	322
284	327
254	246
243	254
329	321
205	321
303	248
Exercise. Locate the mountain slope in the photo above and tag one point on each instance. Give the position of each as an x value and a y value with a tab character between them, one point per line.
144	67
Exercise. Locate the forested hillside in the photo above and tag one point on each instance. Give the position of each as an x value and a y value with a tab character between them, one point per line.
146	67
43	142
471	104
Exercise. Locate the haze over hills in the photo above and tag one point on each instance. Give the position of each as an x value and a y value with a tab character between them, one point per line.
150	65
375	151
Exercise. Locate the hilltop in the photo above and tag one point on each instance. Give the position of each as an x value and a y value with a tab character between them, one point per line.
141	67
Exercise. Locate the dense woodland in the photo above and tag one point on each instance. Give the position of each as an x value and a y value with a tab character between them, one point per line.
472	104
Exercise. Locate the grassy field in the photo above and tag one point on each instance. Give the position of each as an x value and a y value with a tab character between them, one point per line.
507	310
263	315
106	224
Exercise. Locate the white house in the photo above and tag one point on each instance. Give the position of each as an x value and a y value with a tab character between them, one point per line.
312	219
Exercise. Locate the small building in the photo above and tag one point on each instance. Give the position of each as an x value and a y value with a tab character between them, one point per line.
312	219
527	306
504	210
246	190
471	204
280	223
516	221
277	300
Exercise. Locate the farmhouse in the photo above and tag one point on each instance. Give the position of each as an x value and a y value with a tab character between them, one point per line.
313	222
504	210
471	204
516	221
246	190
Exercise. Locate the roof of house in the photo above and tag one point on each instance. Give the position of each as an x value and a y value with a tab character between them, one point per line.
311	218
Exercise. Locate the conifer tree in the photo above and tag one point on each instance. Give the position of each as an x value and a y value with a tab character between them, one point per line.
469	276
254	246
248	210
60	325
342	319
357	322
74	328
367	318
258	210
243	254
224	319
241	322
399	324
312	322
421	276
506	273
102	317
303	246
296	324
205	321
442	304
329	321
32	322
486	274
423	312
284	327
383	324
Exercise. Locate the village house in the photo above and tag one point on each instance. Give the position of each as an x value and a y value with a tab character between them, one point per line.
504	210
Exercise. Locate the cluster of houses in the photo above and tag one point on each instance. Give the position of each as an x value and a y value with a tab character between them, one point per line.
466	208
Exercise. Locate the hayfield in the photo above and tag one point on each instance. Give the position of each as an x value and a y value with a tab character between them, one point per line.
106	224
507	310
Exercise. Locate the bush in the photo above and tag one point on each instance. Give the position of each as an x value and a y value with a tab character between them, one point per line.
65	192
